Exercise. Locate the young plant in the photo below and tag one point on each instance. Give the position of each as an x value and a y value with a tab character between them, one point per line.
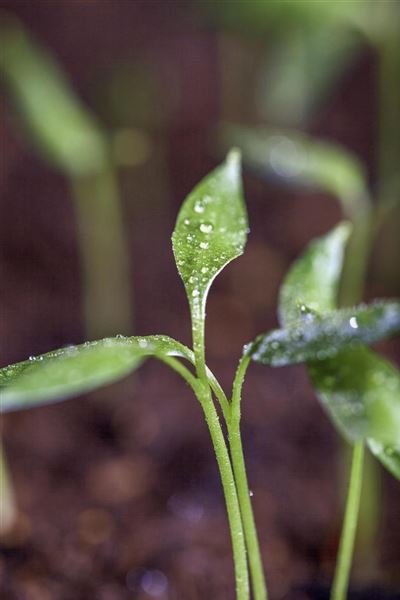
360	390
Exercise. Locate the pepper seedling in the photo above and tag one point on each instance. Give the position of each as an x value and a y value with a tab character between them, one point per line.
359	390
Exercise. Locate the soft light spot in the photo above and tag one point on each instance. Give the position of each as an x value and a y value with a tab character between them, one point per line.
204	245
154	583
353	323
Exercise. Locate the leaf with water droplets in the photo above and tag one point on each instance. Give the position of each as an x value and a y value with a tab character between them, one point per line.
317	337
361	392
74	370
211	230
389	455
313	281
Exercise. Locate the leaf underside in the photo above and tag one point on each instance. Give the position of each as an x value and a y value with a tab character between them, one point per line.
359	389
71	371
317	337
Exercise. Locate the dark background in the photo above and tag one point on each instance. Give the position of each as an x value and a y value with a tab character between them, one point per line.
118	492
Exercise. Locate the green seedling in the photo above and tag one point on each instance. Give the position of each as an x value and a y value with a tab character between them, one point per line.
359	389
69	138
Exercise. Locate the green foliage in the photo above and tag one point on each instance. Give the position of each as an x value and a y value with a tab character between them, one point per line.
60	126
211	230
313	281
359	389
74	370
302	161
315	337
388	454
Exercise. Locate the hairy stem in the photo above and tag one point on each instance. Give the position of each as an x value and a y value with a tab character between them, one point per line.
239	468
223	459
231	498
346	547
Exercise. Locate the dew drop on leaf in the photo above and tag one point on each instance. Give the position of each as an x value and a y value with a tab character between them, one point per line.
199	206
206	227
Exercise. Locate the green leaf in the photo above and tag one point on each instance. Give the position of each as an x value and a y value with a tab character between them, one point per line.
318	337
61	127
303	161
313	281
361	392
211	230
74	370
389	455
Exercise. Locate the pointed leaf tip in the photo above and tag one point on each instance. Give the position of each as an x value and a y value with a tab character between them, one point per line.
211	230
314	278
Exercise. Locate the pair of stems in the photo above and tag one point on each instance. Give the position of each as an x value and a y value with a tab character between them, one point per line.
234	481
246	550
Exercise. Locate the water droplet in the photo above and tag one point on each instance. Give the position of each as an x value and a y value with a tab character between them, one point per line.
204	269
206	227
195	293
143	343
32	358
154	583
251	493
204	245
353	323
199	206
186	222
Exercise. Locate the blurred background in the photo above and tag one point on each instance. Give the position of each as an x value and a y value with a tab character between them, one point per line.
111	111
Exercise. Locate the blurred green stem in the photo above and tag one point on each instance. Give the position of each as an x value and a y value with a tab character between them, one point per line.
346	547
102	244
8	511
388	48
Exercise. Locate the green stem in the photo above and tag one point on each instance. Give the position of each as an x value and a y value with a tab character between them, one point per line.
223	459
103	253
8	507
346	547
231	498
239	468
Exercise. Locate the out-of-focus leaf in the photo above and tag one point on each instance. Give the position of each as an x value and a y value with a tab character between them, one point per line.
389	455
74	370
361	392
288	95
211	230
312	282
301	160
319	337
60	126
260	16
